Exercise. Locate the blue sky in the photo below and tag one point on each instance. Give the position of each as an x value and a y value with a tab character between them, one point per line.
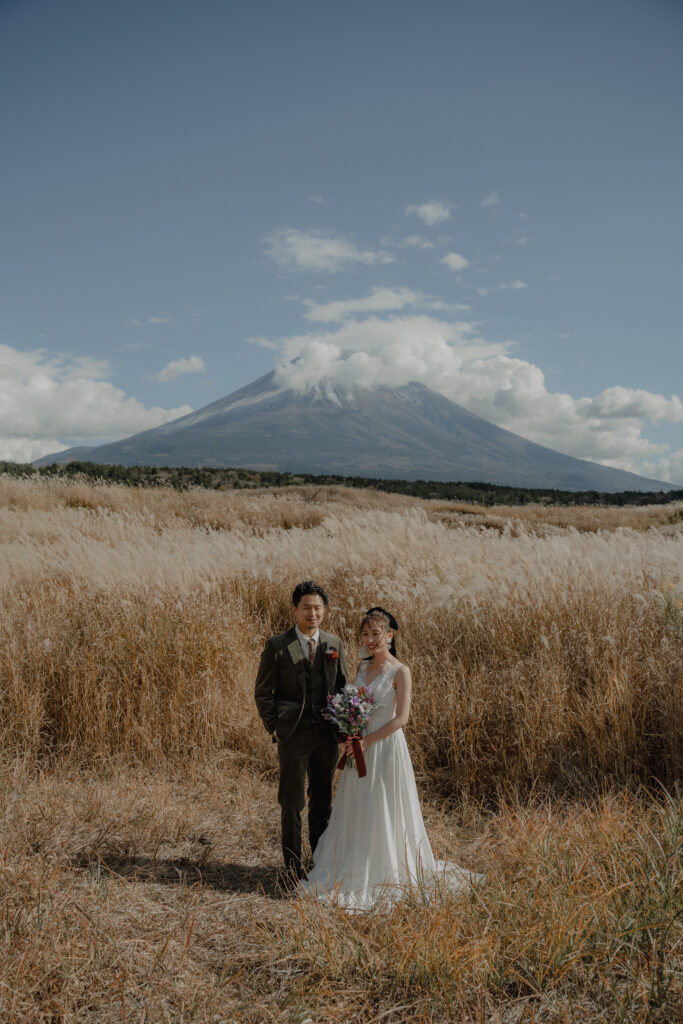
483	195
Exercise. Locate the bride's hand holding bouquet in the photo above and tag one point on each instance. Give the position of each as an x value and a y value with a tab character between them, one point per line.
350	711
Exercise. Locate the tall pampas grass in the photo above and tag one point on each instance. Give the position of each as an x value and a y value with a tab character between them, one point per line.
544	661
138	805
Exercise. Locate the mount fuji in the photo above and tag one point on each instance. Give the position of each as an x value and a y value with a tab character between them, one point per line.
408	432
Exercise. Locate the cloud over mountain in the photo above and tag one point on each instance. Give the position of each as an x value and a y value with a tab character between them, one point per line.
453	358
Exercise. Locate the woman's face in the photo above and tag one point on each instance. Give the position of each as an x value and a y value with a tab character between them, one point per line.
375	637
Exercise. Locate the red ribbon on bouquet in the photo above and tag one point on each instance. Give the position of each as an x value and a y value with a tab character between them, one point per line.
358	755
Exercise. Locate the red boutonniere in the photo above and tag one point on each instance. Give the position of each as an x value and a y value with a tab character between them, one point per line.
332	654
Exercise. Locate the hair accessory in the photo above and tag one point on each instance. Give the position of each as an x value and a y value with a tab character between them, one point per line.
393	624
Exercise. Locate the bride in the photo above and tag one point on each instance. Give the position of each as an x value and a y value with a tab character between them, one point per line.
375	844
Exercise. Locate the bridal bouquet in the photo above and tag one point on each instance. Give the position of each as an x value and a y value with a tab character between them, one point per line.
350	711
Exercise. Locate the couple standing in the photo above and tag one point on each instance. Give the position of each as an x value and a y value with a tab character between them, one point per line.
372	843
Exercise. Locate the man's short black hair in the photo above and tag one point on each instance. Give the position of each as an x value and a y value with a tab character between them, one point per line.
308	587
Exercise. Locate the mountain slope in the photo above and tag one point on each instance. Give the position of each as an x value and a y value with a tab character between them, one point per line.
409	433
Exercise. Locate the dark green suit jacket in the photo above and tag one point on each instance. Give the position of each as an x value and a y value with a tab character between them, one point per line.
280	690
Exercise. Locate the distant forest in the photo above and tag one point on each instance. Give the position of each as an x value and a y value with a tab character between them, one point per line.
183	477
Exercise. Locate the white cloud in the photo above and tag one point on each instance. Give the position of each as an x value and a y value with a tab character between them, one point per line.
455	262
154	320
176	368
434	212
391	350
264	343
315	198
415	242
630	403
669	467
379	300
45	398
492	199
28	449
446	307
504	286
454	359
311	250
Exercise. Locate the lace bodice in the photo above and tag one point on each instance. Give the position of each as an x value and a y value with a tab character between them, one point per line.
385	694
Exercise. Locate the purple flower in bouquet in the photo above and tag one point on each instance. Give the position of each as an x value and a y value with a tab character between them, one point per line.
350	711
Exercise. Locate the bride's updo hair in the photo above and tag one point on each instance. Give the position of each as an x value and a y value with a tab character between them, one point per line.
384	619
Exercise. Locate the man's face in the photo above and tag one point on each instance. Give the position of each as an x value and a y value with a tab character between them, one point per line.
308	613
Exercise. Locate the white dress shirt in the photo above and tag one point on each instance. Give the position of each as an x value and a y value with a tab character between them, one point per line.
303	641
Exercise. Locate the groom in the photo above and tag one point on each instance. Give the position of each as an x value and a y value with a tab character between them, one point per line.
298	670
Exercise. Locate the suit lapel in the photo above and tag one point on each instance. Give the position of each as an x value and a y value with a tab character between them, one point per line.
297	656
329	666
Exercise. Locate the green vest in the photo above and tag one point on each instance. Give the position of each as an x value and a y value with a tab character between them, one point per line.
316	690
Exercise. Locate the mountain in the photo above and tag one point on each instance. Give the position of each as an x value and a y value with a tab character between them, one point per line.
409	433
79	454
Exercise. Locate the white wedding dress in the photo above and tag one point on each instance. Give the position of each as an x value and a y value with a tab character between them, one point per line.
375	848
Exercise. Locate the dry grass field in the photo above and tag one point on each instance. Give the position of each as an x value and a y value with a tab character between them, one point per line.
139	823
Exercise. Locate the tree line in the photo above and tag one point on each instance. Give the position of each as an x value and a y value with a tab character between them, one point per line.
184	477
